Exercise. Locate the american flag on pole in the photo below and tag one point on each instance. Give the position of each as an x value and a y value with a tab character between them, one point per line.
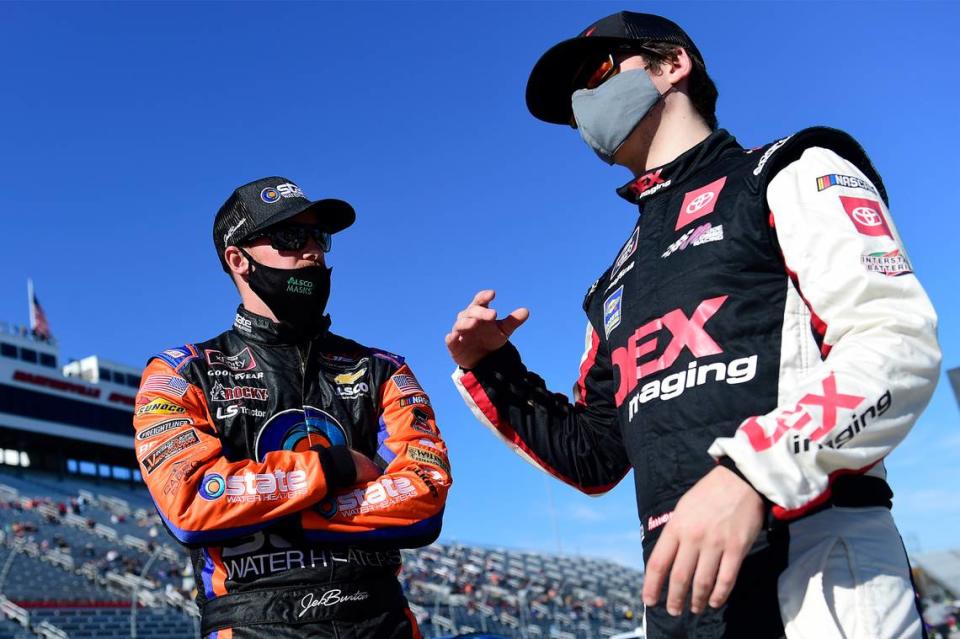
166	383
38	319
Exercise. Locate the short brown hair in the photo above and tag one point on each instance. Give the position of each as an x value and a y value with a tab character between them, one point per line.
701	89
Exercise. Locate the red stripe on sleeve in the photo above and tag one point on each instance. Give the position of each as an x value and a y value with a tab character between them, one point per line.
482	400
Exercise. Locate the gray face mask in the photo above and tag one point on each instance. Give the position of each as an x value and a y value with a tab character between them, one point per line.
607	115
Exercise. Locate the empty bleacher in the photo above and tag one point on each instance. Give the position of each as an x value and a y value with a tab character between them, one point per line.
72	553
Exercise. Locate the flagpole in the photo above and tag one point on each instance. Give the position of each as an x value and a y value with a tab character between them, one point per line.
30	301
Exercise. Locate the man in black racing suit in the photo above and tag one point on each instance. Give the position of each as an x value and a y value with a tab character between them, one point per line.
293	462
755	349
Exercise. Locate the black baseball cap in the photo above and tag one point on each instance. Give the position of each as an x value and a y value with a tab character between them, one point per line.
552	80
267	201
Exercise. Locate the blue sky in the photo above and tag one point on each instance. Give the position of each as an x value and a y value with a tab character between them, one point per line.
124	126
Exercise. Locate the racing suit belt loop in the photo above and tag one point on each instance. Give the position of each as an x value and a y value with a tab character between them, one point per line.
347	601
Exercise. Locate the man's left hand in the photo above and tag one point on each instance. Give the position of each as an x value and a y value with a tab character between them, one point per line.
705	541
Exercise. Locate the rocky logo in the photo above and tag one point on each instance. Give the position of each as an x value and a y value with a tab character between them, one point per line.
221	393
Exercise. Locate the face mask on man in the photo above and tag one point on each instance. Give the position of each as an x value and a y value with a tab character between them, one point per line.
297	296
608	114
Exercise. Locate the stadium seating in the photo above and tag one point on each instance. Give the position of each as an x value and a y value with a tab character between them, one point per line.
72	553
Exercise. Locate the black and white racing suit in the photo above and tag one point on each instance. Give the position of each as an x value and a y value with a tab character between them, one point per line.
763	314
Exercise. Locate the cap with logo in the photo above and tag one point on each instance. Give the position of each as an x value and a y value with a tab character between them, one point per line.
268	201
551	82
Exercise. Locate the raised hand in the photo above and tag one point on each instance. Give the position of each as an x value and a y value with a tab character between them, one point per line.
477	331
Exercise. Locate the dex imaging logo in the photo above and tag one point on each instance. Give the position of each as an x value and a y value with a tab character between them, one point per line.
636	362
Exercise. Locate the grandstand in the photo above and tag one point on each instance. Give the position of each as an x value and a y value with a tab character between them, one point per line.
75	554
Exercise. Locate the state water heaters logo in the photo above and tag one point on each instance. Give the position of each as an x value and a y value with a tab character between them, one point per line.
253	487
299	430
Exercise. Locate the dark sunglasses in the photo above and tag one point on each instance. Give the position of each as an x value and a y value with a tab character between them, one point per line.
293	237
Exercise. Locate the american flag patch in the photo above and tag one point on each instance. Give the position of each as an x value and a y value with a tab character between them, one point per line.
407	384
166	383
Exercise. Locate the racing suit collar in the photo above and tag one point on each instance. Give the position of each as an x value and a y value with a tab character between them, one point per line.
257	328
660	179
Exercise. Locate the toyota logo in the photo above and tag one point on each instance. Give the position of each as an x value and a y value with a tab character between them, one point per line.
699	202
867	216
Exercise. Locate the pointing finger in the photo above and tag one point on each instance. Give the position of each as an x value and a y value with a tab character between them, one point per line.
512	322
484	297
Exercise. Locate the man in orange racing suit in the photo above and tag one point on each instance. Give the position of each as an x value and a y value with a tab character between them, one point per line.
293	462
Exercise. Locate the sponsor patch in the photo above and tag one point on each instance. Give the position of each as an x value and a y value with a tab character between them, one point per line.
160	406
415	400
849	181
421	422
242	324
612	311
867	216
648	184
242	361
162	427
766	156
383	493
425	456
390	357
165	384
251	487
178	472
892	263
702	234
619	276
233	229
221	393
628	249
407	384
299	286
349	378
179	357
229	412
656	521
173	446
699	202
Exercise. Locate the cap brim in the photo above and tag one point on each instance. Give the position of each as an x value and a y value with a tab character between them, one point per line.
333	214
551	82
